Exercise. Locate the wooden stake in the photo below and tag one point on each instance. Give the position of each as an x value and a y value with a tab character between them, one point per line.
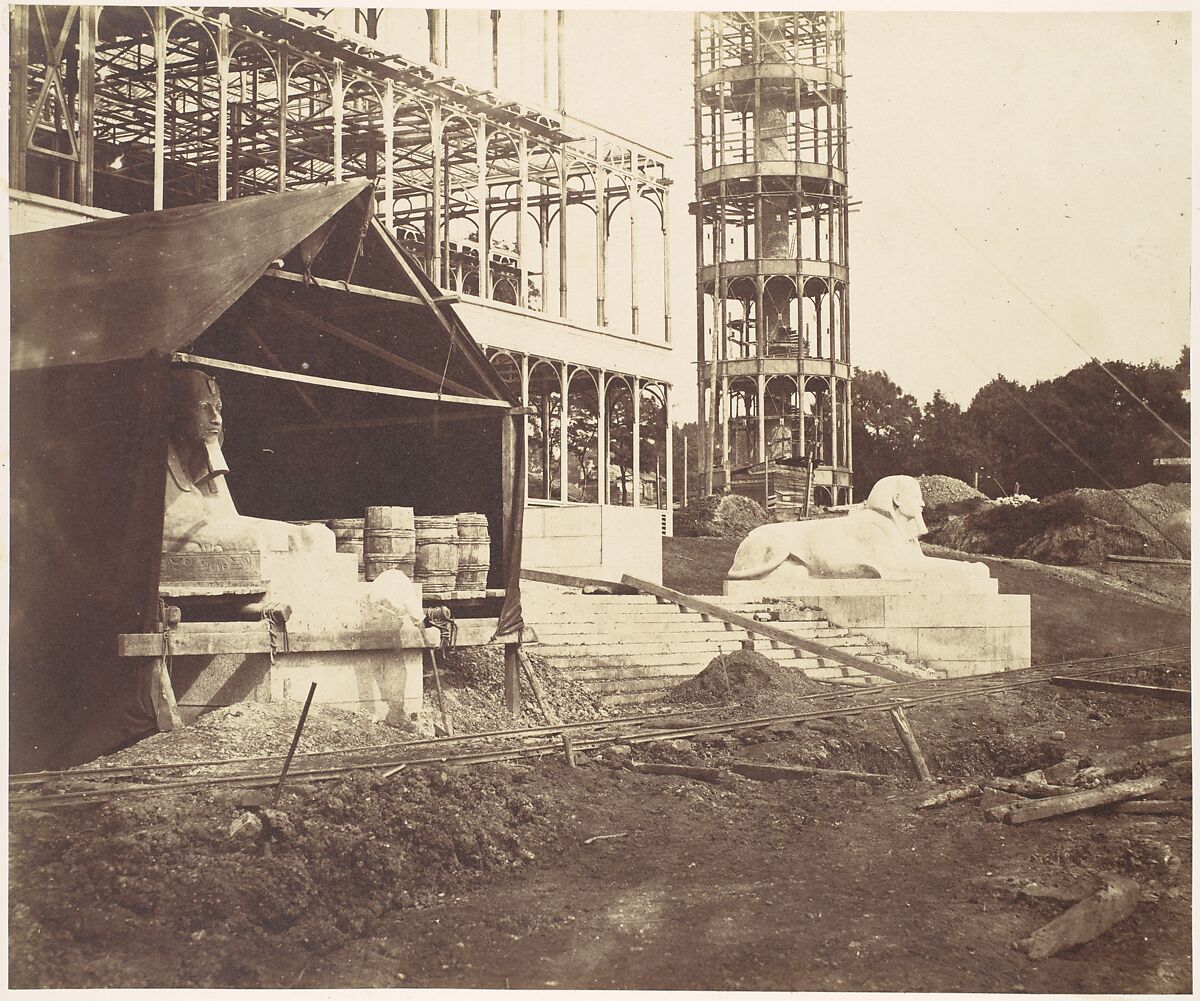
512	677
287	762
909	740
437	684
162	697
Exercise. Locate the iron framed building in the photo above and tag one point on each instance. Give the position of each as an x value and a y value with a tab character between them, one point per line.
772	246
525	216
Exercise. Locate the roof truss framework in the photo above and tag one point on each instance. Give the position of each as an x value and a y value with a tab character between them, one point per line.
156	107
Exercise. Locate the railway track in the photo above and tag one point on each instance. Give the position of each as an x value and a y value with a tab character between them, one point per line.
28	789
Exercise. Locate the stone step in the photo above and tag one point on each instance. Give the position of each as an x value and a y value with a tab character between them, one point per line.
577	597
600	646
574	634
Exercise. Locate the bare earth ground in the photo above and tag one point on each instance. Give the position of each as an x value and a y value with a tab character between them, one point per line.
480	878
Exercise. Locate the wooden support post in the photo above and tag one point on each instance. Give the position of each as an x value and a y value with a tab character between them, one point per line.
637	442
669	447
88	16
339	120
281	154
160	105
562	238
18	94
522	213
666	237
436	236
482	223
909	740
512	677
389	154
601	246
562	70
223	108
162	696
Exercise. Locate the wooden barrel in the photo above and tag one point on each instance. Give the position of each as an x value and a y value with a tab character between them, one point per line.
437	554
474	552
348	538
389	541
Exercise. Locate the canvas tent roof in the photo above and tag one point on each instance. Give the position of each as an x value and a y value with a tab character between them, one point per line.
382	379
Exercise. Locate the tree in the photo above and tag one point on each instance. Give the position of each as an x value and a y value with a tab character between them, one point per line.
947	442
884	423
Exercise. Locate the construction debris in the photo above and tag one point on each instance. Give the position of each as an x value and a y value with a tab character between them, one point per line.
950	796
1086	800
1030	790
772	773
1091	917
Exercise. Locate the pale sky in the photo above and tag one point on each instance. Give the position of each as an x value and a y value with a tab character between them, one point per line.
1059	145
998	158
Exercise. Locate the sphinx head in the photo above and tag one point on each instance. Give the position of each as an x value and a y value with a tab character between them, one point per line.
195	408
899	498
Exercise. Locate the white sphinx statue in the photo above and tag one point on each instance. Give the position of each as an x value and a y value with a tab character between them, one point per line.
875	540
199	514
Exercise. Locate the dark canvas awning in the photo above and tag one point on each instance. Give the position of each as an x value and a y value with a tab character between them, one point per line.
117	288
304	305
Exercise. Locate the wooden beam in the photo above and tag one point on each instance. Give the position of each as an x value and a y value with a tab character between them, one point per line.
317	323
252	331
329	283
1088	919
377	422
767	629
1125	688
314	380
1163	560
571	580
773	772
1056	806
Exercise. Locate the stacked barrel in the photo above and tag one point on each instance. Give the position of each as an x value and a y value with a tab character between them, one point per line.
447	555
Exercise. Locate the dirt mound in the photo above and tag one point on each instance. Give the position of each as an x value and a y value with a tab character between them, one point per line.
745	677
1071	528
251	729
727	516
939	490
473	686
166	871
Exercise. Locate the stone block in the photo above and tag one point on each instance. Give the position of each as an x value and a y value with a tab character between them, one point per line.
555	553
573	521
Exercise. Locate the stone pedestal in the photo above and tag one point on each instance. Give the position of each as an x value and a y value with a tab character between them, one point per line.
328	602
958	627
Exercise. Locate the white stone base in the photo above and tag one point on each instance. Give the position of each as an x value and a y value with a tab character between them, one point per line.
593	540
955	627
383	684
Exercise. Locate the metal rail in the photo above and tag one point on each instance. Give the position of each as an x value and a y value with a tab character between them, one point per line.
391	767
118	771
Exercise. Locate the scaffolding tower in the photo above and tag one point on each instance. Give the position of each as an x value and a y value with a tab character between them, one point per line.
773	340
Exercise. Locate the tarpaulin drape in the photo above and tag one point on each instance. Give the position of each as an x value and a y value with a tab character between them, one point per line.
88	452
119	288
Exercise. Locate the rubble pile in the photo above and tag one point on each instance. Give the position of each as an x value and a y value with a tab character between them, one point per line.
726	516
744	677
1072	528
938	490
251	729
473	689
